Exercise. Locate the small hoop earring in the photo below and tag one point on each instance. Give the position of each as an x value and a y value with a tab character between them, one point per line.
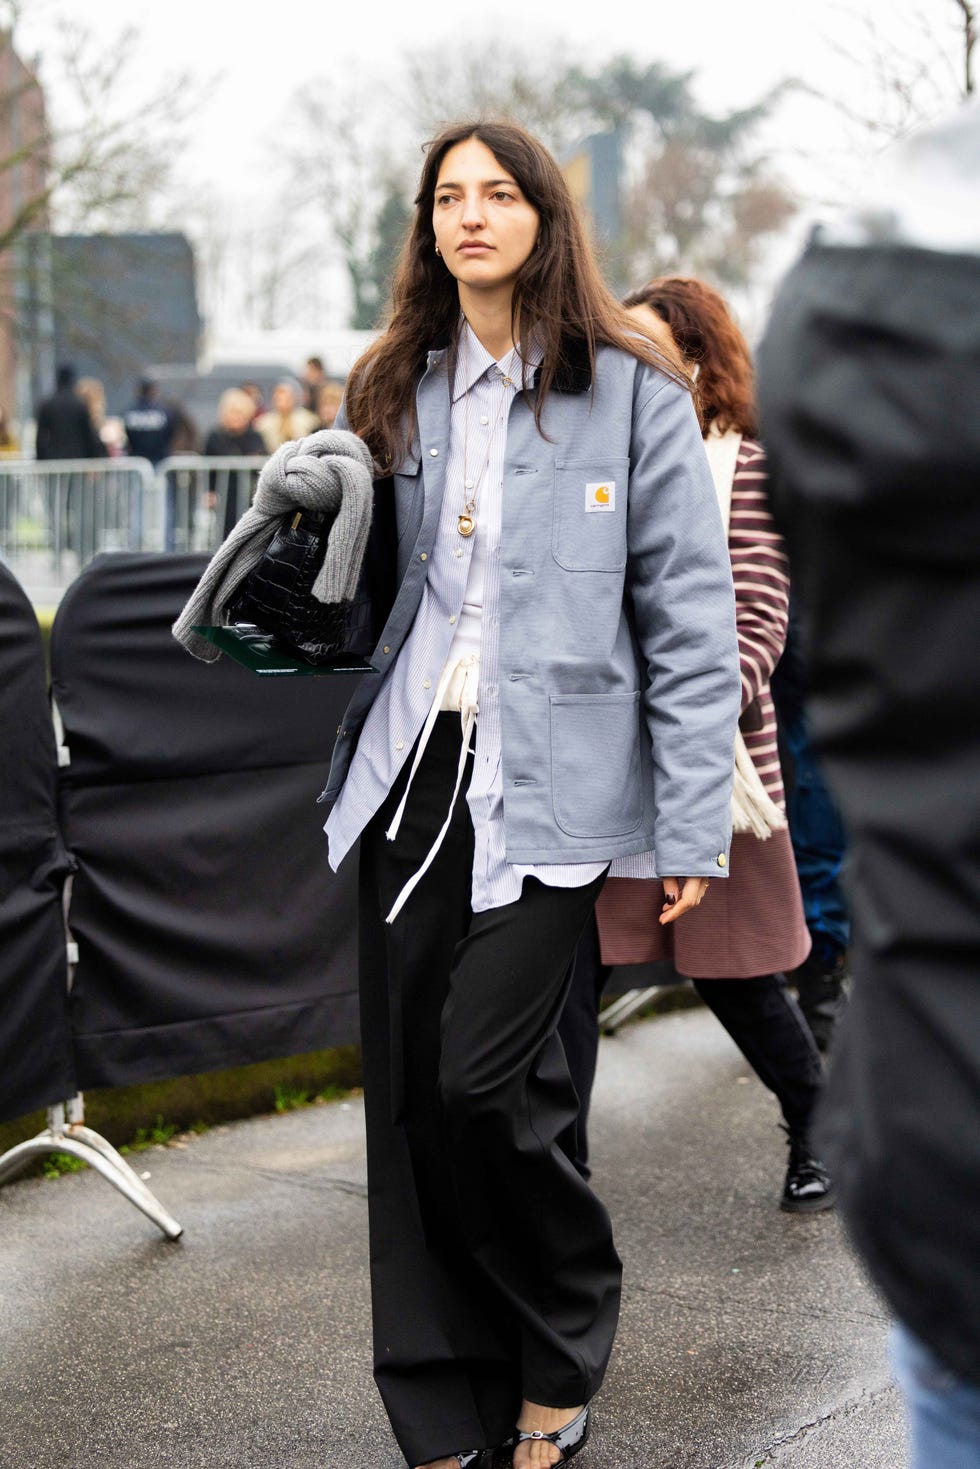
438	251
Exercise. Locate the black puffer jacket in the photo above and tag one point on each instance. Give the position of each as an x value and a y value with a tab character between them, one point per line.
870	380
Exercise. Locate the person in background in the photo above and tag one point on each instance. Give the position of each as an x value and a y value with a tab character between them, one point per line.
254	391
92	394
328	400
65	431
286	419
9	449
314	377
149	424
229	491
186	439
9	445
869	376
748	931
64	424
819	847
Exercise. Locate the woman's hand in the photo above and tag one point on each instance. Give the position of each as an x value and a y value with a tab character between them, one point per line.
681	894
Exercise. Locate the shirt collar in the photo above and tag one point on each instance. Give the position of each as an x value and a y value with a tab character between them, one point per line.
473	361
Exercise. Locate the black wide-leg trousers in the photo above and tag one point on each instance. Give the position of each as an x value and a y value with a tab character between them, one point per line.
493	1271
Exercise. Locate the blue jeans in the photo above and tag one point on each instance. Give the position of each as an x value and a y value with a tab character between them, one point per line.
944	1411
815	827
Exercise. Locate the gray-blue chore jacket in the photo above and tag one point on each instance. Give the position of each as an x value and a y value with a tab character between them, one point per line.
619	683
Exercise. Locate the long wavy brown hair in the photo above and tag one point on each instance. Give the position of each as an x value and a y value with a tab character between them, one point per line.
559	294
706	333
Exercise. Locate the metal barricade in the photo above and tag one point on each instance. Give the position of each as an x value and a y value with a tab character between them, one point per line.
56	514
203	498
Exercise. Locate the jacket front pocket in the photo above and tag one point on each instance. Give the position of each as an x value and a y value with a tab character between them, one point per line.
595	763
408	481
589	532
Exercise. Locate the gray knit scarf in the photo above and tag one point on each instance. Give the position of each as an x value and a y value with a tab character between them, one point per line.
328	470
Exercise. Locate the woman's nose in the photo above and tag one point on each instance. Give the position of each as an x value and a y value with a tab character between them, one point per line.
473	214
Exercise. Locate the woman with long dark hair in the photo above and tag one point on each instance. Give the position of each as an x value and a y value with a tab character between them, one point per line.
555	691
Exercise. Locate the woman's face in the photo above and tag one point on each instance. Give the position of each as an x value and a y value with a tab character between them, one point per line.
283	399
485	228
235	418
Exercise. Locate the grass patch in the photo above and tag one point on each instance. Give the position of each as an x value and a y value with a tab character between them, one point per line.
157	1136
160	1113
56	1164
289	1098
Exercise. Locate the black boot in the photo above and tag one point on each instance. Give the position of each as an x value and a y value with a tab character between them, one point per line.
822	992
808	1187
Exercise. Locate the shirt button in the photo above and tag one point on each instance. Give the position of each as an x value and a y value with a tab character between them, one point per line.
400	745
457	553
722	860
484	419
424	556
434	453
427	683
452	619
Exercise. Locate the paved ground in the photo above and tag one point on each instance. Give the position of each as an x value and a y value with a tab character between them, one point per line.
748	1337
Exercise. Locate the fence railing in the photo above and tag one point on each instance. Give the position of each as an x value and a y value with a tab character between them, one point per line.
202	498
55	515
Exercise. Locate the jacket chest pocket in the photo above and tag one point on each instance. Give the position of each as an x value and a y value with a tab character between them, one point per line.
589	530
408	484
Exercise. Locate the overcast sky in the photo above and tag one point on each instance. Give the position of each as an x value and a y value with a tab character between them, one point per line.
257	57
260	53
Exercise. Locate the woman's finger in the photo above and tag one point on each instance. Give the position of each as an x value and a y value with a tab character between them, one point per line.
681	894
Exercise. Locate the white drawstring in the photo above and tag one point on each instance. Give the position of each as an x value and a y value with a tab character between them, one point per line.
456	690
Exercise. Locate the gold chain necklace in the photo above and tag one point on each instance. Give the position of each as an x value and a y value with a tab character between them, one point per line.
466	522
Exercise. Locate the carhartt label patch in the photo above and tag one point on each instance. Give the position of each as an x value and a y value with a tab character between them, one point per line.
601	496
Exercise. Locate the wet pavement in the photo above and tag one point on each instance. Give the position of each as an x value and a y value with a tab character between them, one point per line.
749	1337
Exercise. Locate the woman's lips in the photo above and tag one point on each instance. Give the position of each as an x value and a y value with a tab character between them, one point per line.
474	247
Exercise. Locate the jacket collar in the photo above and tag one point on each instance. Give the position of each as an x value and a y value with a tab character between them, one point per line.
573	374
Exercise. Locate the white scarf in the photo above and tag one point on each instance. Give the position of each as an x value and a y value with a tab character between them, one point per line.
753	809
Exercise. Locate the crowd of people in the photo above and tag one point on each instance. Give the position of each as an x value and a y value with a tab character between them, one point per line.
72	423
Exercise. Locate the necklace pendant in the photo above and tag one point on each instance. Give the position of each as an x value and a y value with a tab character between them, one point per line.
466	525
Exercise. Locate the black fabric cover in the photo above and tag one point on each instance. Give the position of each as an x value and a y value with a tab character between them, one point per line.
210	928
870	381
35	1052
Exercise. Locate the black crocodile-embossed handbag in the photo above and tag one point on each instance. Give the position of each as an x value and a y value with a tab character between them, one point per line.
277	596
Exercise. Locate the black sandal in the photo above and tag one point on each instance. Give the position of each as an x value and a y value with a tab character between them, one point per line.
474	1459
567	1440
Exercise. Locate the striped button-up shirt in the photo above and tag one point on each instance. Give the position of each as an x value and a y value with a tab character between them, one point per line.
459	614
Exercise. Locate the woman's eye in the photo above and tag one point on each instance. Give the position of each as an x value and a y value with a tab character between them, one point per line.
502	194
444	198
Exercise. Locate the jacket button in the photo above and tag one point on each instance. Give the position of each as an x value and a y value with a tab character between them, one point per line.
386	649
424	556
722	860
434	453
